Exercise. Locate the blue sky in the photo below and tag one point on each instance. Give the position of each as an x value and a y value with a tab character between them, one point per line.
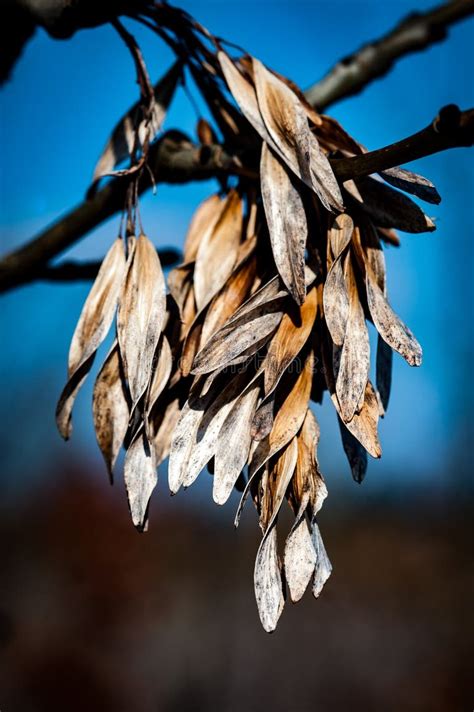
55	115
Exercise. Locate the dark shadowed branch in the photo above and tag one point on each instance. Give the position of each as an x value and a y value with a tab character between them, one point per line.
413	34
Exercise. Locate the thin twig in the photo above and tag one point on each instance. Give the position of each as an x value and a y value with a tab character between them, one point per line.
413	34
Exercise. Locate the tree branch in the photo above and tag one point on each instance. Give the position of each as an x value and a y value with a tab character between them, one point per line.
173	159
176	160
413	34
450	129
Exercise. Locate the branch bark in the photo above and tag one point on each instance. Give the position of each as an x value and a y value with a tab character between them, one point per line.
413	34
450	129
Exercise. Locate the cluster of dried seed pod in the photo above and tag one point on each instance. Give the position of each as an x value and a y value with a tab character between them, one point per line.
266	313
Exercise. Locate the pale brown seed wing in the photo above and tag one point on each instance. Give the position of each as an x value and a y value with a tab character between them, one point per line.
68	396
336	302
289	417
202	223
267	293
188	316
233	293
122	140
289	339
367	249
262	421
206	439
268	582
110	408
355	453
308	478
354	364
323	566
324	181
375	258
244	94
287	123
180	280
94	323
235	333
335	293
233	444
241	338
279	478
217	251
286	219
141	315
299	560
182	442
165	430
363	425
140	478
99	308
412	183
286	424
201	397
160	374
340	234
389	208
292	412
311	113
191	344
389	325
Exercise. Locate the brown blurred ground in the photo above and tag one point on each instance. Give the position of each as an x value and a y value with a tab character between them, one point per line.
94	616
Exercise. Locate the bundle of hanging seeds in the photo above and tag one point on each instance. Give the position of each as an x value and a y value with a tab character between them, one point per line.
217	366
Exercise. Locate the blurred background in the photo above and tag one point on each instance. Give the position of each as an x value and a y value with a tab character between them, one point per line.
94	616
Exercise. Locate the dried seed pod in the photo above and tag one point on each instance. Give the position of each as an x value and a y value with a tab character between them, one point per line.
268	582
218	250
300	559
92	328
110	407
141	315
286	220
233	444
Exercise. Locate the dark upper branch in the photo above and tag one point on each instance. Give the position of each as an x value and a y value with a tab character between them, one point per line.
173	159
450	129
373	60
